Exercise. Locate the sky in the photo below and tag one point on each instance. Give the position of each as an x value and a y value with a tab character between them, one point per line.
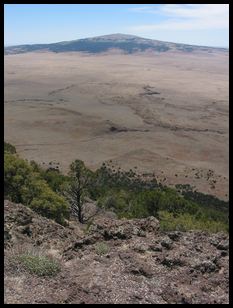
198	24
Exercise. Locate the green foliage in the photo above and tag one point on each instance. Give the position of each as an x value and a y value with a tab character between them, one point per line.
126	193
77	188
206	200
9	148
23	185
54	178
137	199
107	178
79	172
186	222
36	167
39	265
89	224
101	248
149	202
119	202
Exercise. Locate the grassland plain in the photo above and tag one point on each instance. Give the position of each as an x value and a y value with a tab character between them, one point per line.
166	114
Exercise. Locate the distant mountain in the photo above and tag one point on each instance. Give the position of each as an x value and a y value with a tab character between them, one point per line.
126	43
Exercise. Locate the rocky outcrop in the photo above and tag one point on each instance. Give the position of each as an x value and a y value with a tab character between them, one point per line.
141	264
22	225
124	229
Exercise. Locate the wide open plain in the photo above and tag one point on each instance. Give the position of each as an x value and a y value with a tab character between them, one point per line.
166	114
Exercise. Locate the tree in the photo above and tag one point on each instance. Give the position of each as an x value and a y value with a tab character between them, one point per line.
77	189
23	185
9	148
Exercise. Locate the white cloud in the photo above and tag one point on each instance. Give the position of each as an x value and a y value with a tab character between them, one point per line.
185	17
141	9
196	10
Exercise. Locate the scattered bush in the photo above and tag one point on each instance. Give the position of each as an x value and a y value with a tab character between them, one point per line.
101	248
39	265
126	193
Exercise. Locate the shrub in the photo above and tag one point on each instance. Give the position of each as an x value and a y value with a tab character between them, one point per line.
187	222
9	148
53	177
124	192
39	265
101	248
23	185
118	201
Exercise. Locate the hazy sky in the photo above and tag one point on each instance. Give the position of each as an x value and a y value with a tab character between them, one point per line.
200	24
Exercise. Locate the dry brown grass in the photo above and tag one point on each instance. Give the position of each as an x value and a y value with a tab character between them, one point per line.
60	107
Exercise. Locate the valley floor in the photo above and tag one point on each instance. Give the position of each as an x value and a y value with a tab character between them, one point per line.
165	114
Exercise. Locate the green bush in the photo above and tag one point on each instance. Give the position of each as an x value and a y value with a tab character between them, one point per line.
173	210
120	202
186	222
107	178
101	248
23	185
9	148
124	192
53	177
39	265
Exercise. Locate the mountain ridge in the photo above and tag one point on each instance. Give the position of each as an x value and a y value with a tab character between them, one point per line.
126	43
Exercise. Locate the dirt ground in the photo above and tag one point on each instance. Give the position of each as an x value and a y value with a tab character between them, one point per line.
113	262
166	114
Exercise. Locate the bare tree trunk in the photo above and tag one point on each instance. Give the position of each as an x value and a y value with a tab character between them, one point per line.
80	215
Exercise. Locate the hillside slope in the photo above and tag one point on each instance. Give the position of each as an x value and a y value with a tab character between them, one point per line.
113	261
126	43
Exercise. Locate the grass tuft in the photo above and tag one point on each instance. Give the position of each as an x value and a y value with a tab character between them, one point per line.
38	264
101	248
